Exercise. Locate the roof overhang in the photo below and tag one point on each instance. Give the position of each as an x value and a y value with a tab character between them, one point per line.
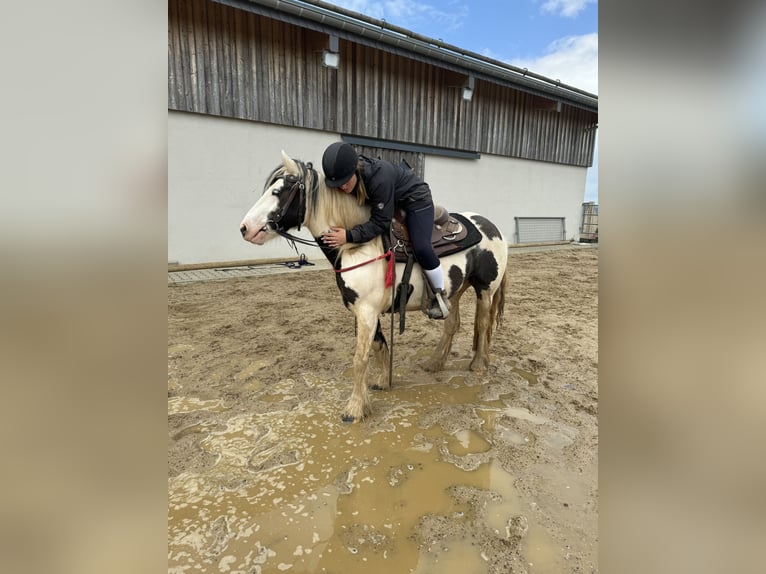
354	27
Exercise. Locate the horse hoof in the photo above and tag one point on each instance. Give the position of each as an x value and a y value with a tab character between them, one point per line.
377	387
479	366
432	366
348	419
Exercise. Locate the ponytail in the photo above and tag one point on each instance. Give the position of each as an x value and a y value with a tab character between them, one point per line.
361	189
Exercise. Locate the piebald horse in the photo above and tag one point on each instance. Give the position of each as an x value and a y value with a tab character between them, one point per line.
295	195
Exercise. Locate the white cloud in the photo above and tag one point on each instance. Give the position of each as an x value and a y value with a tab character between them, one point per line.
573	60
366	7
408	13
568	8
414	12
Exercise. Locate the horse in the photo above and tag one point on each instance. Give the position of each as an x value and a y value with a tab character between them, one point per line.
295	195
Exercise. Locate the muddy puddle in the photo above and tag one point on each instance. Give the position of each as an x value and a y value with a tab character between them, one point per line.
409	490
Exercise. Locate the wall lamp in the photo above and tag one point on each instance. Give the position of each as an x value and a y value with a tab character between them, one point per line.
467	92
331	57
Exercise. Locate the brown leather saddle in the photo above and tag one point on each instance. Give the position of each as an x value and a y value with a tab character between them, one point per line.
447	236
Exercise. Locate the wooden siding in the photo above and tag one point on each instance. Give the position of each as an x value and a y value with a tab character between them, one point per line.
415	160
232	63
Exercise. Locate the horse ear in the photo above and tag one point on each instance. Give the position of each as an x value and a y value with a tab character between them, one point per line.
290	165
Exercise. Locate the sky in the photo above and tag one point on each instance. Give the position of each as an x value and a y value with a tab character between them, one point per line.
554	38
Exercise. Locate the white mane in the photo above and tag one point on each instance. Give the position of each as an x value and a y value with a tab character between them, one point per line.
326	207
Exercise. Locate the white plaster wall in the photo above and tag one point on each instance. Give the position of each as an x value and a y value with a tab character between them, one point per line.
502	188
216	171
217	168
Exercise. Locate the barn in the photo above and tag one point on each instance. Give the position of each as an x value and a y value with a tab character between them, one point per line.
248	78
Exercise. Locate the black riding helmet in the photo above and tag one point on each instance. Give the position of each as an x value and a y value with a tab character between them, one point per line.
338	163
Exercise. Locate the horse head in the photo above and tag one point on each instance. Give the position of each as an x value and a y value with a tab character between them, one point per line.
282	206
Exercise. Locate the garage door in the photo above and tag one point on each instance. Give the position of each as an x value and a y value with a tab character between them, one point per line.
540	229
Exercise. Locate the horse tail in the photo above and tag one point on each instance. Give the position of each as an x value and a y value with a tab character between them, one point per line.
498	304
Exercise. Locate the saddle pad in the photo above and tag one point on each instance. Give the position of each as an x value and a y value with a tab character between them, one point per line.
441	245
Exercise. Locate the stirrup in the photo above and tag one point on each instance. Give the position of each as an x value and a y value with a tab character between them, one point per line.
439	307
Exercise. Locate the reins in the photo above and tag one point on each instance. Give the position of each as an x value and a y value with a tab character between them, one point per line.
385	255
295	239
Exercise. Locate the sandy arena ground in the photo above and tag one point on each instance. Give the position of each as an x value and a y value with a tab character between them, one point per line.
457	471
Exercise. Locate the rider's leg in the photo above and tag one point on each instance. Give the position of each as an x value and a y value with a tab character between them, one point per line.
419	224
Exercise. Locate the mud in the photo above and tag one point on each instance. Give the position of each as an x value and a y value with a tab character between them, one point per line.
457	471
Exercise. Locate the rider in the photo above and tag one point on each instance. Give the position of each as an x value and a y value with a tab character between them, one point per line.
386	187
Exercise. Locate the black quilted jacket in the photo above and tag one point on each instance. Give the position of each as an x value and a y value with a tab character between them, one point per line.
388	186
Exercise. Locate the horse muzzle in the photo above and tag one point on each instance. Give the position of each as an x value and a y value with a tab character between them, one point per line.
255	234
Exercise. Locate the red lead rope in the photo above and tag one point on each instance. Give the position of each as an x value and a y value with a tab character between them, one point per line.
389	271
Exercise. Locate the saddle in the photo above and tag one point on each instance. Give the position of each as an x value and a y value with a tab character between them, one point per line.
451	233
448	234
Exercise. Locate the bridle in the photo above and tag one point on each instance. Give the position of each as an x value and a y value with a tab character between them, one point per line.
297	189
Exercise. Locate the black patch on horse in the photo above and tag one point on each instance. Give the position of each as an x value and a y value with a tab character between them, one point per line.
349	295
455	275
481	269
330	252
487	227
379	338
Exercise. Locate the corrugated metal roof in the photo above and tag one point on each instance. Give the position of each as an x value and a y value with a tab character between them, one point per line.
352	26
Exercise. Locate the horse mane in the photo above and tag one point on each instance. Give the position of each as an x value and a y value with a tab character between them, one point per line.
339	209
328	207
336	208
275	174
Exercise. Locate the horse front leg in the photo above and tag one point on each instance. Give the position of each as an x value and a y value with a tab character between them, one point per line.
359	405
382	360
481	331
451	326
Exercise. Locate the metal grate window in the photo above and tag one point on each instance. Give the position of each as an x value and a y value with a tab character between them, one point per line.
540	229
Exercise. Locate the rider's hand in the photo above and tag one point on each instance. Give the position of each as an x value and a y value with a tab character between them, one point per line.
334	238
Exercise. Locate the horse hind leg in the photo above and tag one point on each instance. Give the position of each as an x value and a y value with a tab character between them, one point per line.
489	316
497	310
451	326
382	361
